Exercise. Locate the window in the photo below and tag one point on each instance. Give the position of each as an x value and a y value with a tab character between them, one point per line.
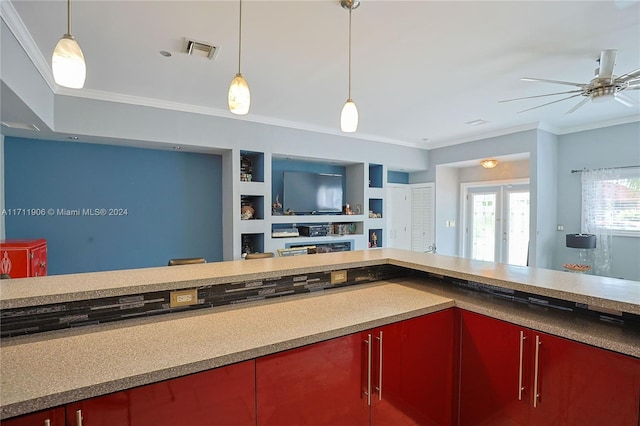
611	201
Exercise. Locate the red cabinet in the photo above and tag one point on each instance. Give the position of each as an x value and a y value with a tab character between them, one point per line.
223	396
399	374
52	417
511	375
23	258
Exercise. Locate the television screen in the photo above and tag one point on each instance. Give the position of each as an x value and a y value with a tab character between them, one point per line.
312	193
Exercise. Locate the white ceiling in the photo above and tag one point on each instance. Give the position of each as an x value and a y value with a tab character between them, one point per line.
421	69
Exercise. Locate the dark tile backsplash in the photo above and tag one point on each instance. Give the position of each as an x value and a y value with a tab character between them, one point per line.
38	319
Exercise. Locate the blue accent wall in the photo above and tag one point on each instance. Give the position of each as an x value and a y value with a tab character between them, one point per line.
397	177
173	203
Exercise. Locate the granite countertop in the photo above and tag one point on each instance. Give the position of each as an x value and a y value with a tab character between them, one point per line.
76	364
599	292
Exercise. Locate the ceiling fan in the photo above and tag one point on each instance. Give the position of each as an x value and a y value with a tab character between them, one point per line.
604	86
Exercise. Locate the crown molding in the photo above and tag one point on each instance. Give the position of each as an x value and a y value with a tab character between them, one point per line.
597	125
23	36
223	113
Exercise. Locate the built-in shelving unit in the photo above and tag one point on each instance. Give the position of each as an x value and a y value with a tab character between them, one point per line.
255	185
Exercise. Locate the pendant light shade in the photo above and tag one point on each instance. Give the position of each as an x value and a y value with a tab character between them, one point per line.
349	115
239	95
67	62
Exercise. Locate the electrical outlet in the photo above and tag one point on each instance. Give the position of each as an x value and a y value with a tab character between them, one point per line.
184	297
338	277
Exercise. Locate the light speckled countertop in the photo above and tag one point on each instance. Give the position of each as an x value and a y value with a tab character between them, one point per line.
39	372
600	292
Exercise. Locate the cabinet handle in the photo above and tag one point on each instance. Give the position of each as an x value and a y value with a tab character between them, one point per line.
520	387
379	388
79	418
368	392
536	395
47	422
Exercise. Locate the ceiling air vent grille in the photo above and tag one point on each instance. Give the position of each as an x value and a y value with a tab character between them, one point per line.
200	48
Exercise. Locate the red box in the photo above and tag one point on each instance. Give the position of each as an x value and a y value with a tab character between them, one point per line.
23	258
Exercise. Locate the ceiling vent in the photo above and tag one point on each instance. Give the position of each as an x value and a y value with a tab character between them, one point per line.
21	126
199	48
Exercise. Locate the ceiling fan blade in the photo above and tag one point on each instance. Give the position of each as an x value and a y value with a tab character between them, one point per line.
625	100
549	103
540	96
543	80
578	105
629	76
607	62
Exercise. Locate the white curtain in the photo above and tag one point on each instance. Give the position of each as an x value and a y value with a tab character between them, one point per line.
597	207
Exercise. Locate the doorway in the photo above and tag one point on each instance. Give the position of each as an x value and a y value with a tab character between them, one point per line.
497	222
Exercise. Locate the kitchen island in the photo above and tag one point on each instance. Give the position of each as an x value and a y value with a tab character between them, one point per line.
54	368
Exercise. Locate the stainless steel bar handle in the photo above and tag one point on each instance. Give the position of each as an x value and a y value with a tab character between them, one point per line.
536	395
520	387
368	392
47	422
79	418
379	388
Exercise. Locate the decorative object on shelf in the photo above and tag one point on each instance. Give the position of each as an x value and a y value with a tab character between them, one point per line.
247	247
347	209
247	212
67	63
359	209
239	96
374	240
246	168
373	215
585	243
289	212
349	115
489	163
276	207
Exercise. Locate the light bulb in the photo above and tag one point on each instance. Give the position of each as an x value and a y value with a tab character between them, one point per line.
239	96
349	117
67	63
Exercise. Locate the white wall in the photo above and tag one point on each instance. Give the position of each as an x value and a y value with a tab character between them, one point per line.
544	201
447	208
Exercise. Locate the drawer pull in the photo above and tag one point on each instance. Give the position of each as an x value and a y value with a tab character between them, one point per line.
520	387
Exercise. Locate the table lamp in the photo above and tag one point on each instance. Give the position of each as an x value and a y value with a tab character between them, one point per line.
585	243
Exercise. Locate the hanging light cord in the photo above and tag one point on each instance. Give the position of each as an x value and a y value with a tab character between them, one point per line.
350	9
240	37
68	16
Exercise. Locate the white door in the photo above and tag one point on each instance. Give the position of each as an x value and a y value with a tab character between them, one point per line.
398	211
422	218
497	224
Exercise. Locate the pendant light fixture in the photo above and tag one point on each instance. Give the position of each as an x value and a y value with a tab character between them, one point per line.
67	62
349	115
239	96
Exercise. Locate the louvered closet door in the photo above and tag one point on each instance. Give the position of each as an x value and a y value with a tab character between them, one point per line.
422	217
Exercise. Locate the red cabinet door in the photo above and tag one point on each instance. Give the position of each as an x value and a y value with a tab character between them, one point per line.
415	387
582	385
23	258
494	372
320	384
223	396
54	416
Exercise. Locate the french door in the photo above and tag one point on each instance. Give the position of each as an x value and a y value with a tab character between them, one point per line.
497	223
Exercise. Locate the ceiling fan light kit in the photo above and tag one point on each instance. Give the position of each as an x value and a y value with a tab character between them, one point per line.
349	114
67	62
605	86
239	95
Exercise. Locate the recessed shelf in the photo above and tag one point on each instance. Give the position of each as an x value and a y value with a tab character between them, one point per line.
376	175
251	166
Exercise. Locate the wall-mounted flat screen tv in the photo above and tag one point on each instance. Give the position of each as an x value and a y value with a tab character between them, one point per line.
312	193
